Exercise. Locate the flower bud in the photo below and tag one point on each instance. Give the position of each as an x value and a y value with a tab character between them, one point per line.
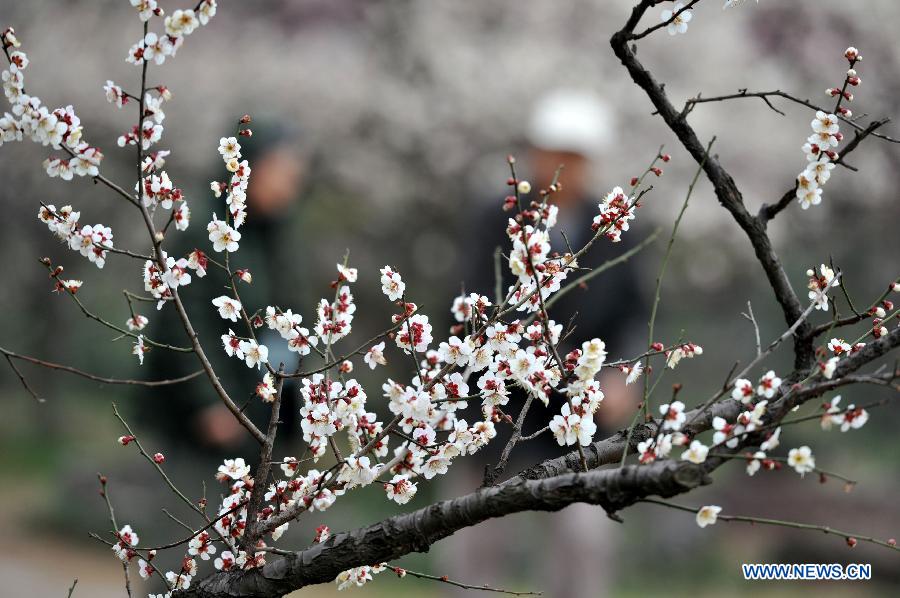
524	187
852	54
851	542
245	120
159	458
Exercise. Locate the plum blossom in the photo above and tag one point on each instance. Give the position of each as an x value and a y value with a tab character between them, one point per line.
632	372
201	545
139	349
743	391
768	385
570	428
391	284
207	11
346	274
696	453
137	322
687	350
234	468
707	515
838	346
802	460
375	356
226	561
145	569
415	333
400	489
772	442
229	309
679	23
266	389
673	415
754	462
819	284
115	95
254	354
232	345
181	23
223	236
850	417
829	367
357	471
229	148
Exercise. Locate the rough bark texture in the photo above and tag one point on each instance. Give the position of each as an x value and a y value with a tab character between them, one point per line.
415	532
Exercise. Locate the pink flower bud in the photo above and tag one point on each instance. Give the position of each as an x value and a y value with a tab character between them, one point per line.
851	54
126	440
159	458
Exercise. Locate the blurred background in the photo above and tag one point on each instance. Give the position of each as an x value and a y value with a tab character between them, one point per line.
384	126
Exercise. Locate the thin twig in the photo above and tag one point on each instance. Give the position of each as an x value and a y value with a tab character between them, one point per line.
749	315
443	578
778	522
103	379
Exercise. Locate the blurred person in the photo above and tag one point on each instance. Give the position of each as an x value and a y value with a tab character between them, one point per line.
195	415
571	129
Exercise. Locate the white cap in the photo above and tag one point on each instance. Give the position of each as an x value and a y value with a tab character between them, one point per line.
572	121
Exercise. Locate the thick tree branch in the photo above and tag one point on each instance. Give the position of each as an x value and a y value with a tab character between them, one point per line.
726	189
417	531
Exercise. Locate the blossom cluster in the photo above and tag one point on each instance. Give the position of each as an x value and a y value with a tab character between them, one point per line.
59	128
819	284
92	241
819	148
181	23
151	128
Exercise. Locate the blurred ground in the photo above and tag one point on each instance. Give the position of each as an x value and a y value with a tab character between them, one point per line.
406	111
